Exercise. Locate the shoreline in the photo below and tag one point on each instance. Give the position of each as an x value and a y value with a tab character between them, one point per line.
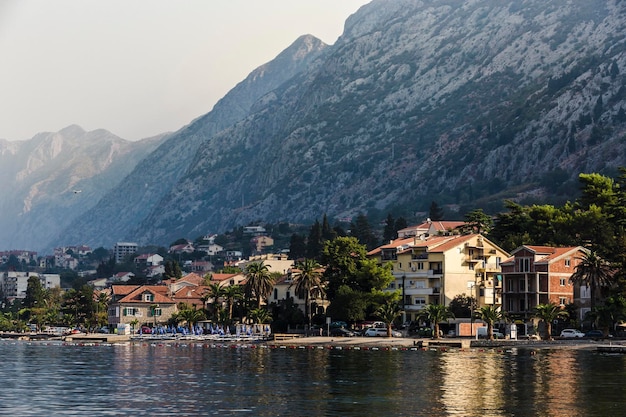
356	343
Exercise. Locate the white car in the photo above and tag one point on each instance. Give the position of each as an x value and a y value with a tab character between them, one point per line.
380	332
572	333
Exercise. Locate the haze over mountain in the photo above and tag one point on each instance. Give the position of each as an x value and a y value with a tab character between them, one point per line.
464	103
49	180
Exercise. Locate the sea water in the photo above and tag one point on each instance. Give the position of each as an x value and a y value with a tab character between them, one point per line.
203	379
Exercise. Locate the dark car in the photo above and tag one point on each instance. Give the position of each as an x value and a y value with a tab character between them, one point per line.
595	334
340	331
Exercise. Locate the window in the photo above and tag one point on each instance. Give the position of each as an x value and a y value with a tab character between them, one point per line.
419	301
522	285
420	266
156	312
130	311
420	284
562	301
567	262
562	282
148	297
275	294
288	295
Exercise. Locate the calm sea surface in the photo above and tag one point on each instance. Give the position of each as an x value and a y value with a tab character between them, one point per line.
43	379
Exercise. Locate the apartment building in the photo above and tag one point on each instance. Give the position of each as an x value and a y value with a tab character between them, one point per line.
435	269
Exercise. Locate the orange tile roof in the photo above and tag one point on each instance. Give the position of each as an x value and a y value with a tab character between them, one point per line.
159	292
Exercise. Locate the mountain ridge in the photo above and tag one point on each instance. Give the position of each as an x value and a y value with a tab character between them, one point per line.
458	102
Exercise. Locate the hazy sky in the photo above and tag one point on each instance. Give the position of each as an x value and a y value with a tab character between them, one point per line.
140	67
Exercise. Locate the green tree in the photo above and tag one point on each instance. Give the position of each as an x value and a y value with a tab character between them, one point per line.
214	291
191	316
388	313
348	305
477	221
490	315
307	280
549	313
362	230
259	282
389	232
435	314
297	246
593	272
315	242
232	294
35	293
260	316
435	212
462	305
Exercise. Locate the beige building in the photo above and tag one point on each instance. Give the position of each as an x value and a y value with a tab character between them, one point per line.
435	269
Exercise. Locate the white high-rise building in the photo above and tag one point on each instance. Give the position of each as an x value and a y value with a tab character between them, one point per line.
122	249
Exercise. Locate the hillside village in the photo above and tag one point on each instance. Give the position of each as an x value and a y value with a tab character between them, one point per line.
432	263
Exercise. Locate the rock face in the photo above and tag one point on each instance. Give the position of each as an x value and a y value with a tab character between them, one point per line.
51	179
464	103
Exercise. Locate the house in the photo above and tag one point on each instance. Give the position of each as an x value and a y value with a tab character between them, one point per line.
284	290
182	248
254	230
147	260
274	263
210	249
201	267
536	275
229	279
261	243
435	269
431	228
145	304
122	277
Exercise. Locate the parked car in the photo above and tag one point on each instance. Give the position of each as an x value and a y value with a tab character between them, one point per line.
103	329
338	324
341	332
144	330
569	333
481	332
380	332
595	334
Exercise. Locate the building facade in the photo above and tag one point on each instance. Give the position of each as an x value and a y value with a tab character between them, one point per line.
536	275
435	269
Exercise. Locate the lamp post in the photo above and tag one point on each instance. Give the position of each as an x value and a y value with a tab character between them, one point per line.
403	300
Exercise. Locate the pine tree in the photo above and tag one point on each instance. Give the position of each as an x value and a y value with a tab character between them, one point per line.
435	212
389	233
315	242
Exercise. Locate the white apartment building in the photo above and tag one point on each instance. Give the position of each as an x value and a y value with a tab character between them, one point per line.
122	249
14	283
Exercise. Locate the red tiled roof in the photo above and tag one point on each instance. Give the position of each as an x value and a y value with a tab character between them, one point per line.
134	296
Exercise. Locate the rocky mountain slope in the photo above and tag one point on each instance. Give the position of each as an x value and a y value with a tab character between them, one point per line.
466	103
51	179
119	212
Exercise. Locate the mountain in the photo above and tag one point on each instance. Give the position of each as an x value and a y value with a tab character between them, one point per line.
49	180
119	212
465	103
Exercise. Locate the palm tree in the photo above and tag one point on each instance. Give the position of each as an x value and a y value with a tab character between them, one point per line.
215	290
436	313
260	316
388	313
307	280
548	313
231	294
259	282
191	316
490	315
593	272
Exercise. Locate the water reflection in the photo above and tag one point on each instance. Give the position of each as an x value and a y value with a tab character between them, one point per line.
195	379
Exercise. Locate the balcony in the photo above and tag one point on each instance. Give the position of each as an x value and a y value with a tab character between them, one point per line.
418	291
